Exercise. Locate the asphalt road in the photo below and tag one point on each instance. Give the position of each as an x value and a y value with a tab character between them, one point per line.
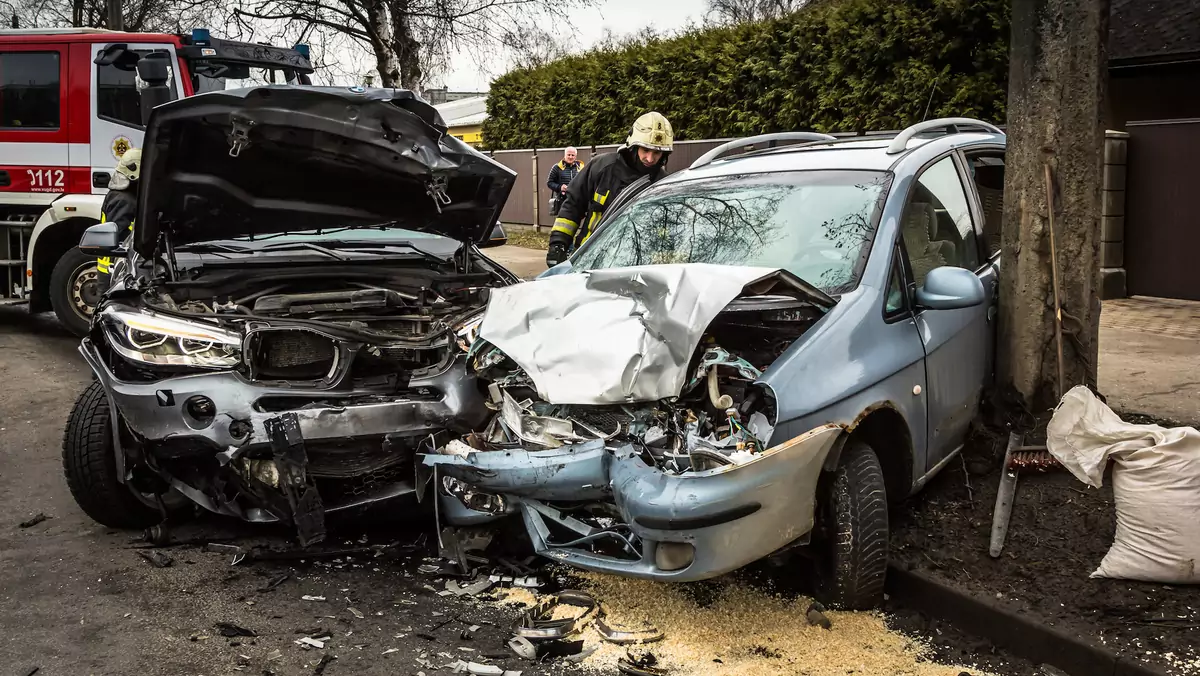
78	599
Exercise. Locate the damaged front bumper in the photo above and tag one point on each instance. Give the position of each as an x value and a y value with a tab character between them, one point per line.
676	527
355	448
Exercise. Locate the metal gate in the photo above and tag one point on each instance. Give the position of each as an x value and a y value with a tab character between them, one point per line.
1162	228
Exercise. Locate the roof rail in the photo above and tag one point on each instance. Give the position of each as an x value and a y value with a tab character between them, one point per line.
950	124
713	154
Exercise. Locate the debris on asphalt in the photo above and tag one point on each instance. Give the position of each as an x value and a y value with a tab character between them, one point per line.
220	548
640	665
326	660
157	559
727	635
528	582
308	642
32	671
543	620
468	634
274	582
476	669
30	523
356	612
306	597
389	651
230	630
523	647
274	655
622	635
468	589
816	616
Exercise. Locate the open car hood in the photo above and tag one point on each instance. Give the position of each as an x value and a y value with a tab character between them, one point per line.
263	160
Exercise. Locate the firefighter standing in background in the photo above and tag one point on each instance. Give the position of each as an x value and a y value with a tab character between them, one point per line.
119	206
644	154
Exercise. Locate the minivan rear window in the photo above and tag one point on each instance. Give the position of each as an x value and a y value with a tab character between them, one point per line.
29	90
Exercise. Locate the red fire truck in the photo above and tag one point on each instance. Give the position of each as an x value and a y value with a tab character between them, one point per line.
69	107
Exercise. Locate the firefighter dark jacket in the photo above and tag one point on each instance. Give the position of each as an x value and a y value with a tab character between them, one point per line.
597	185
119	207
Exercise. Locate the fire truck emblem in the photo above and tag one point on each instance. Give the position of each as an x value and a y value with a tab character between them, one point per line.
120	145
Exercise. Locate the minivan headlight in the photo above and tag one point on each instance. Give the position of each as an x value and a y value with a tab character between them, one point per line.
166	341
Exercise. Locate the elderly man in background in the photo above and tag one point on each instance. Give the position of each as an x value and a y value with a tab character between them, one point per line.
561	175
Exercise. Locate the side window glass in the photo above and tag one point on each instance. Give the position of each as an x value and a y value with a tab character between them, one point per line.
987	170
937	226
117	98
29	90
896	291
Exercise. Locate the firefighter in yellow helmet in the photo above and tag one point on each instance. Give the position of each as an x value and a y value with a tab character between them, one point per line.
120	205
644	154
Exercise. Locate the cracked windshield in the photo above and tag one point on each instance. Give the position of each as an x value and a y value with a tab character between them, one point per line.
817	225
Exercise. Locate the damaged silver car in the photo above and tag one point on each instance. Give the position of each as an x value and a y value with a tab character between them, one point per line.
747	360
284	331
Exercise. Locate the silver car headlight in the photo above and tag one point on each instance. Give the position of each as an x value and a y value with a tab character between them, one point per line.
167	341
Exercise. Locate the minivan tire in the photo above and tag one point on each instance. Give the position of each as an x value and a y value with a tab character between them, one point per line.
91	469
854	523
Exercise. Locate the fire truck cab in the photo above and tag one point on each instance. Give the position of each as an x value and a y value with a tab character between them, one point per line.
69	108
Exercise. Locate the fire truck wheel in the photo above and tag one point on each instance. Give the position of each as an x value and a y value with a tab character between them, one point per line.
75	290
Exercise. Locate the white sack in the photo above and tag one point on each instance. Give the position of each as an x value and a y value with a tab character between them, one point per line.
1156	482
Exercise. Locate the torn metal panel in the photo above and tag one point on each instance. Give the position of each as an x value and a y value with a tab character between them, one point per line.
618	335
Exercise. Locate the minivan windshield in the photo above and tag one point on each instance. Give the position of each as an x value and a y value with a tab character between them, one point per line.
818	225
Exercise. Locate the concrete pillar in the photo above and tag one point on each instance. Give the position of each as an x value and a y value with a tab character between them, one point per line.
1112	221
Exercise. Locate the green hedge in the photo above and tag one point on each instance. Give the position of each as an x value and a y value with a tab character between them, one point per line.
848	65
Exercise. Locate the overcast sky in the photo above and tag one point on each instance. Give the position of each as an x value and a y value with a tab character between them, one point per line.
620	16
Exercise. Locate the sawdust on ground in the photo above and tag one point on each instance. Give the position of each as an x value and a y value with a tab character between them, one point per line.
745	632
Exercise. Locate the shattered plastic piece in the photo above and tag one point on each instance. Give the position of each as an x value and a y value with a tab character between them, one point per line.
627	635
523	647
306	597
644	665
581	656
469	633
157	559
323	664
218	548
428	568
817	617
274	655
540	430
538	623
356	612
527	582
275	582
468	589
549	650
230	630
456	447
389	651
307	643
30	523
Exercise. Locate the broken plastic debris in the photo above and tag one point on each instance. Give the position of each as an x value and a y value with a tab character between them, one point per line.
274	655
157	559
307	643
468	589
389	651
306	597
622	635
523	647
641	665
231	630
325	660
356	612
539	623
528	582
476	669
30	523
817	617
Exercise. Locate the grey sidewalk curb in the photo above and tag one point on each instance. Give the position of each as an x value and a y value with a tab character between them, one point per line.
1018	633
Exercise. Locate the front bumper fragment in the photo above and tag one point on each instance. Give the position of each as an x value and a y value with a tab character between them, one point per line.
730	516
157	415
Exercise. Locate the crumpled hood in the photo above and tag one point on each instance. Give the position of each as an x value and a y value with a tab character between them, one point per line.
276	159
620	335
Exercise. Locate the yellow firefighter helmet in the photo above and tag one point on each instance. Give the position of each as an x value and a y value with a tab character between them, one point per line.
652	131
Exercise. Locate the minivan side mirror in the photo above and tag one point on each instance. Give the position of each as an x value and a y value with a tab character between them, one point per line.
101	239
950	288
497	238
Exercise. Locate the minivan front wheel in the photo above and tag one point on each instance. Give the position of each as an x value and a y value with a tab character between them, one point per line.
851	531
91	469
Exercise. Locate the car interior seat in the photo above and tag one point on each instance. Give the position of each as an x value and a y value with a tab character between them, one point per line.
924	253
